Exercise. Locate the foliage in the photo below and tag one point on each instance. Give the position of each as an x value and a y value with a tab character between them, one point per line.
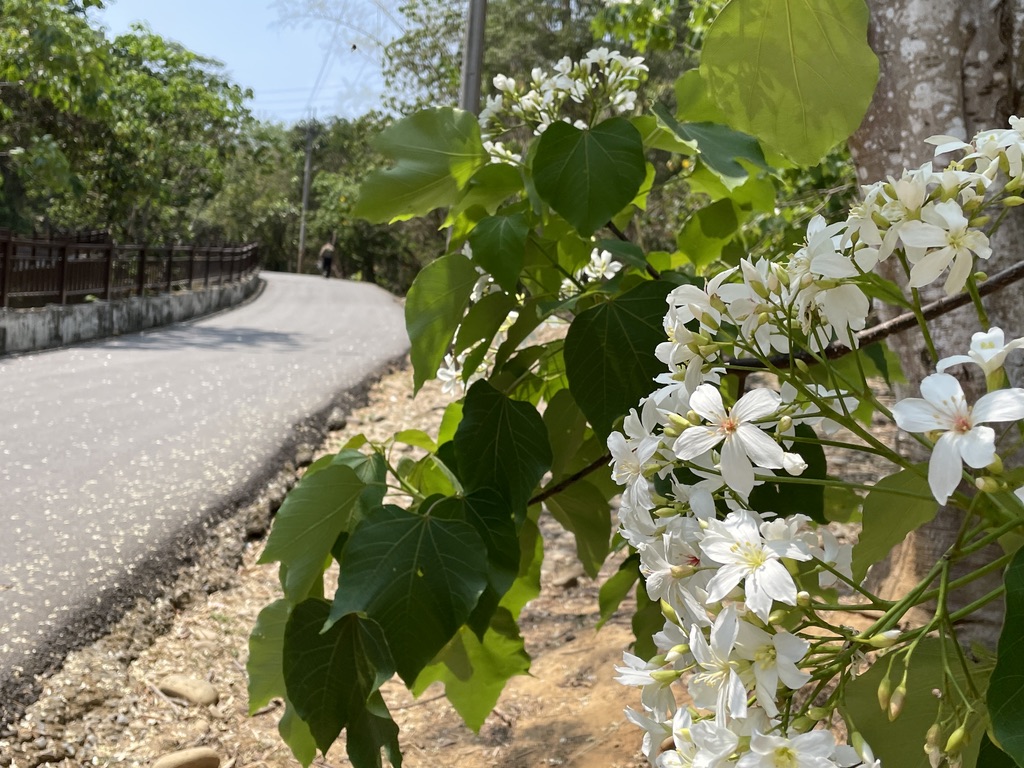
131	134
724	489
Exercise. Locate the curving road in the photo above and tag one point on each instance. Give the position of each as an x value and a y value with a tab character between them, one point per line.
110	450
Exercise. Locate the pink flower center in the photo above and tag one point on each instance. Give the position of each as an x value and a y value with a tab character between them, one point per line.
962	424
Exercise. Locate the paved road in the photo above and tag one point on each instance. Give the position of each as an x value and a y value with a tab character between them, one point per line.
110	449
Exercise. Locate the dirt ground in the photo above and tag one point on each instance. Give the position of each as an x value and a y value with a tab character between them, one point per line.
105	708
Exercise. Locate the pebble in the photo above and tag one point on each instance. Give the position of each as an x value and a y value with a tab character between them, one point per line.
199	757
190	689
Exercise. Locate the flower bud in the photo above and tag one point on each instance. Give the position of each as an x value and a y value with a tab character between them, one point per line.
672	431
885	639
996	467
707	350
802	724
785	424
666	675
803	598
678	421
957	740
899	696
1013	201
818	713
802	366
934	734
778	616
666	512
986	484
760	288
979	221
980	277
670	612
884	693
693	417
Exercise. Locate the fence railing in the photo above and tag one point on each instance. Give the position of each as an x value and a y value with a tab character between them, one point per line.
35	271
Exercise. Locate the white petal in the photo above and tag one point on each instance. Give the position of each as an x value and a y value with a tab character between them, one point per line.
917	415
945	393
925	271
917	234
790	676
707	402
696	441
978	447
947	362
756	404
775	580
1001	405
724	582
790	647
761	449
736	470
945	467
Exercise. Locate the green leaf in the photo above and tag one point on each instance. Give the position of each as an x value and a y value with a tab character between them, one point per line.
588	176
475	672
313	515
501	444
296	734
721	148
901	742
626	253
417	576
881	529
693	102
566	425
1006	690
797	74
499	246
617	587
708	230
647	621
416	438
531	556
371	730
488	188
490	514
583	510
266	644
609	353
331	674
482	321
433	309
991	756
436	151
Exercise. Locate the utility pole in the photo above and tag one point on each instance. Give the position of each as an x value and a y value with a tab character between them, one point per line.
473	57
305	196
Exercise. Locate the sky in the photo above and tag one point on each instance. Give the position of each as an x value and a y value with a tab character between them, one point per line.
281	64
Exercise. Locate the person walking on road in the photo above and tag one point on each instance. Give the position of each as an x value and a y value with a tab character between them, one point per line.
326	257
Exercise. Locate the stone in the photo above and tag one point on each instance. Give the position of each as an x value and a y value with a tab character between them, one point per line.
198	757
190	689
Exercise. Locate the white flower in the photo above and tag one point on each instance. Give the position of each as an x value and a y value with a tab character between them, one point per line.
964	439
744	555
655	695
944	232
805	750
601	265
716	683
775	657
988	350
743	442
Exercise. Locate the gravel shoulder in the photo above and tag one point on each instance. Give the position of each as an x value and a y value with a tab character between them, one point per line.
105	706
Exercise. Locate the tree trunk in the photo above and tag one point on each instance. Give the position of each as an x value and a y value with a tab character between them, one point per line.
947	67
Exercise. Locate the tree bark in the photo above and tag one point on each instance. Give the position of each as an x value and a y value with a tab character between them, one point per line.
947	67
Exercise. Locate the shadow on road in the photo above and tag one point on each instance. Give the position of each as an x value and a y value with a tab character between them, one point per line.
209	338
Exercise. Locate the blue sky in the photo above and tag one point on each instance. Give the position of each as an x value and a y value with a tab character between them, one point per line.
280	63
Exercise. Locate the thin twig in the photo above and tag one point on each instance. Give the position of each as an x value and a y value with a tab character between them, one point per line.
560	486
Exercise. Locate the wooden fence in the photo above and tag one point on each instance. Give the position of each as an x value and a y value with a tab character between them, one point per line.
36	271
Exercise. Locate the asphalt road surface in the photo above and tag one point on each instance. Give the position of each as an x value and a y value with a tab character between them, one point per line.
110	449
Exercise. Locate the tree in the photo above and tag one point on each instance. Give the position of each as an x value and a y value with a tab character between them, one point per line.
973	84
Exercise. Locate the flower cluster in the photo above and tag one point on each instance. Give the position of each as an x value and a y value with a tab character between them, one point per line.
602	81
738	583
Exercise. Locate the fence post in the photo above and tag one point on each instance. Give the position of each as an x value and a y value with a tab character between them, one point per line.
63	272
206	269
108	276
220	276
8	268
191	265
141	286
170	266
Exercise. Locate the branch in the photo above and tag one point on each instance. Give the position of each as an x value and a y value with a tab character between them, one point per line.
560	486
889	327
619	234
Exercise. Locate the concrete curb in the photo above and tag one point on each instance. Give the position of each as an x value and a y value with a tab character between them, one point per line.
31	330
